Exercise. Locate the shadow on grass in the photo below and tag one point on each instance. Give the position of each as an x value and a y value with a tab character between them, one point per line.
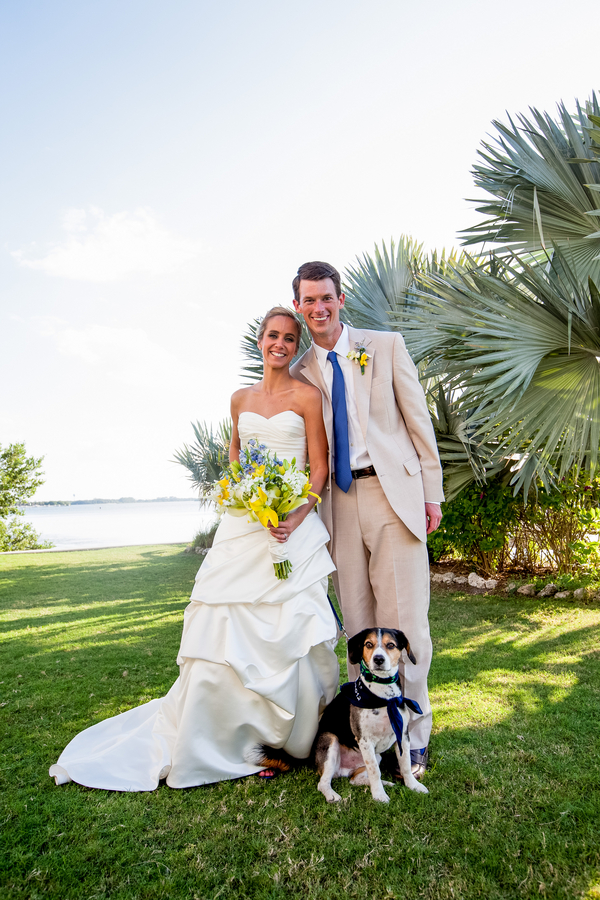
515	692
103	590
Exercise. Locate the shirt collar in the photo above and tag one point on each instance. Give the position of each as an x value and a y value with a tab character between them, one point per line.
342	348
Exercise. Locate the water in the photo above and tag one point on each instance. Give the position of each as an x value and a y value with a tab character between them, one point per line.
88	526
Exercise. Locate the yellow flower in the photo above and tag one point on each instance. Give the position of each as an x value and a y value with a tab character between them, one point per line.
263	512
360	357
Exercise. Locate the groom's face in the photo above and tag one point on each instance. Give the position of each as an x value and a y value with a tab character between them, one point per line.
320	307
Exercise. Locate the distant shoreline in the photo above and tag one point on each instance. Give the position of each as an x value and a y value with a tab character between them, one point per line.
99	500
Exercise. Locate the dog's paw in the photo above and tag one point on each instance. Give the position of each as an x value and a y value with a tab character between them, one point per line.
389	783
381	797
413	785
330	795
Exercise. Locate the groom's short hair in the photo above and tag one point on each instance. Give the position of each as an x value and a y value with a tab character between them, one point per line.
316	271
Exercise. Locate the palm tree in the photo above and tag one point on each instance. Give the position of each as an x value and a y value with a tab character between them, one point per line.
511	344
208	456
520	345
378	285
464	455
544	177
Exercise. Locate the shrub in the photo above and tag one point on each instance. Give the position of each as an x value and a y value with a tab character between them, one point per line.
554	529
20	477
16	535
476	525
491	529
204	538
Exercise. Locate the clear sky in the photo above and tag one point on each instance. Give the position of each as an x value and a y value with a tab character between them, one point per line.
166	167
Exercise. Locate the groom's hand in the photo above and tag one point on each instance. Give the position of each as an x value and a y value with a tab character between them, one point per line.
433	515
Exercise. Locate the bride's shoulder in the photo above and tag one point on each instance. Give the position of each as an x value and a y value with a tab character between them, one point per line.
240	397
307	394
242	393
305	389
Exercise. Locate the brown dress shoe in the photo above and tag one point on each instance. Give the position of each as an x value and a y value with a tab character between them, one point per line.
419	760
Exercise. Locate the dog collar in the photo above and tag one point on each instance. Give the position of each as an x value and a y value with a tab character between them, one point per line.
368	675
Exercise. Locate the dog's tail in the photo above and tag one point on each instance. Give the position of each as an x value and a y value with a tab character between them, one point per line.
272	758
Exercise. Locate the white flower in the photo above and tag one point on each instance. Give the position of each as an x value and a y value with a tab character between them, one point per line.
295	480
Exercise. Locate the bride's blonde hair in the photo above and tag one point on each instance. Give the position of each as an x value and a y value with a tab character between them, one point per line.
280	311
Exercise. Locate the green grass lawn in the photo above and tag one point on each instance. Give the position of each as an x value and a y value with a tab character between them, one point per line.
514	803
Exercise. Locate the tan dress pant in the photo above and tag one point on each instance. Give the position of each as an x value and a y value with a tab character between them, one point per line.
382	580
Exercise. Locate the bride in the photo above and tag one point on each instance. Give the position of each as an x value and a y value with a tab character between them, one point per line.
256	660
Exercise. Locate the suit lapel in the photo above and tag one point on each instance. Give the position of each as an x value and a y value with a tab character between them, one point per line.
362	380
311	370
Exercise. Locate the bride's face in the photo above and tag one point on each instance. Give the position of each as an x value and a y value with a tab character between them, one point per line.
278	343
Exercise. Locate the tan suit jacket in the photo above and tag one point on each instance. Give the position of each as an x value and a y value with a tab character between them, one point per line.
395	423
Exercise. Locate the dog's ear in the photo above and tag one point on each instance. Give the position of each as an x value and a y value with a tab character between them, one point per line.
355	646
404	645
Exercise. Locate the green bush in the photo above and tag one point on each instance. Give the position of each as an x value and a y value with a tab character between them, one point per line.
554	528
490	529
476	525
17	535
20	477
204	538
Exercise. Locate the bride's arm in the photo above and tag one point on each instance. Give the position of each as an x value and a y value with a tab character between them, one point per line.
317	453
316	438
234	446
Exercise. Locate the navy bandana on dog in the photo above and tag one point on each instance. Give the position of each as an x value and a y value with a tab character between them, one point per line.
359	694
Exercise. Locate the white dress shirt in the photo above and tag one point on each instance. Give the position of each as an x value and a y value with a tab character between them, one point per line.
359	457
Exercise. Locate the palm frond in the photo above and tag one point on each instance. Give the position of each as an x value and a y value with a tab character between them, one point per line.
542	175
208	456
464	457
377	286
520	349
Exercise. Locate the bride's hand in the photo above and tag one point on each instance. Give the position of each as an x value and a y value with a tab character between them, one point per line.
285	528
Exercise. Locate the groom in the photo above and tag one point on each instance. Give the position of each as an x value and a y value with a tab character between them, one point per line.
385	481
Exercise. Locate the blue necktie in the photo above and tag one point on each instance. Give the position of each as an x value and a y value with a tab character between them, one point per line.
343	473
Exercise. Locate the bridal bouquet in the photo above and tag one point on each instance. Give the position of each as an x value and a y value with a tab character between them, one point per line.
266	489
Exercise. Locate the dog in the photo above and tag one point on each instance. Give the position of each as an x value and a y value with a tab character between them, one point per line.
355	728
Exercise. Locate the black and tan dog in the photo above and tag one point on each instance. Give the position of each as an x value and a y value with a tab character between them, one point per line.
367	717
364	720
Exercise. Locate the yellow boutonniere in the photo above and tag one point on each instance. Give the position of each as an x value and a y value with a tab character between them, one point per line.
360	357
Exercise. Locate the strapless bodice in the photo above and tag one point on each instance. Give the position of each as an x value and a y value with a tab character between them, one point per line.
284	434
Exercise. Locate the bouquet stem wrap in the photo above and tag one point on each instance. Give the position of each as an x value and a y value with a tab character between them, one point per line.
278	551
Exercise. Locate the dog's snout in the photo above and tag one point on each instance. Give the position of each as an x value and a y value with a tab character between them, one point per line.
378	659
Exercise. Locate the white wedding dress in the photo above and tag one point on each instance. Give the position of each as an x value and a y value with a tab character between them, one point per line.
256	661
